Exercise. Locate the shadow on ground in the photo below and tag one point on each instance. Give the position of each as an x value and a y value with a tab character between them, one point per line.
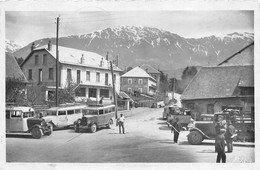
25	136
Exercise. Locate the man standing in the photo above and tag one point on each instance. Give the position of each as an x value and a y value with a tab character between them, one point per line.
228	136
121	121
176	129
220	146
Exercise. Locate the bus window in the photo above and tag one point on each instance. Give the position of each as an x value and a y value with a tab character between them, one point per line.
77	111
7	114
107	110
93	112
51	113
16	114
62	113
70	112
27	114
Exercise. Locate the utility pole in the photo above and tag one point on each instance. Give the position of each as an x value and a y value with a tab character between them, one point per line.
114	90
57	62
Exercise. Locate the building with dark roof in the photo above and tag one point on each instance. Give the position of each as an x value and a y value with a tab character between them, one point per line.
214	88
13	70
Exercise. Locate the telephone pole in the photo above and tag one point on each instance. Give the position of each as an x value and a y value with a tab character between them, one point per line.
57	62
114	90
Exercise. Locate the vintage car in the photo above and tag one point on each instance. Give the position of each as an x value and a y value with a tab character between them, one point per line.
171	112
205	129
95	117
64	116
20	119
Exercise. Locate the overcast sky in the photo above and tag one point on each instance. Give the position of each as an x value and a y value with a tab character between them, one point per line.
24	27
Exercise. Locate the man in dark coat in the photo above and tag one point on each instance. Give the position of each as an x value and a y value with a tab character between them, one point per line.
220	146
176	129
228	136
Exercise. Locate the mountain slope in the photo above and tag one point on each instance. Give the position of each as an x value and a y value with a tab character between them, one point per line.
159	48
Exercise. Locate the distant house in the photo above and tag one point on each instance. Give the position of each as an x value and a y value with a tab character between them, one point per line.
215	88
138	80
89	71
152	72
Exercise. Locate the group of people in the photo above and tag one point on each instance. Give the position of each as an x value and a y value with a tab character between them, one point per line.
223	133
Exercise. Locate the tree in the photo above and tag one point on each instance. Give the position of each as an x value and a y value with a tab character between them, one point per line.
15	92
189	72
164	84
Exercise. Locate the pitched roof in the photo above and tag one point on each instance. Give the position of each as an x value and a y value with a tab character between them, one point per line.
13	70
149	69
137	72
74	56
219	82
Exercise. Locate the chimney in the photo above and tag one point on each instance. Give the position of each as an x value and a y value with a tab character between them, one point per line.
107	56
33	46
49	45
117	60
82	59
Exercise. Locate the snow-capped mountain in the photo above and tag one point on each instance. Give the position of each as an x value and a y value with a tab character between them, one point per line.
159	48
11	46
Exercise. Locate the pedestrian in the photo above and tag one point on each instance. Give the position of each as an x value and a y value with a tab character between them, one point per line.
121	121
220	146
176	128
229	136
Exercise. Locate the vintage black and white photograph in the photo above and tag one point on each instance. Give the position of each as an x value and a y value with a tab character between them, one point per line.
102	84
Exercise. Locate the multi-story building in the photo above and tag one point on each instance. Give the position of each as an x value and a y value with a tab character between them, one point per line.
152	72
90	72
138	80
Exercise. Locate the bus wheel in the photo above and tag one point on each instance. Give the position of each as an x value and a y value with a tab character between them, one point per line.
110	123
36	133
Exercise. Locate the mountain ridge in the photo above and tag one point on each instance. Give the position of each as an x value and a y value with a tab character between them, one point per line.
157	47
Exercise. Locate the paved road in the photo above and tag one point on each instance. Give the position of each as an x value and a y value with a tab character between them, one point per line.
147	139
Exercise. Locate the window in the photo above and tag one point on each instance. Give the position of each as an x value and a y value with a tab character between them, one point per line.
78	76
97	77
106	78
61	113
50	73
92	92
44	59
210	109
70	112
36	59
69	78
140	90
16	114
7	114
129	89
101	112
81	92
129	81
104	93
30	74
190	106
28	114
88	75
51	95
77	111
140	81
40	75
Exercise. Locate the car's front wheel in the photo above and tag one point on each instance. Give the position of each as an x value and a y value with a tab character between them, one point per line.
36	132
93	128
50	131
195	138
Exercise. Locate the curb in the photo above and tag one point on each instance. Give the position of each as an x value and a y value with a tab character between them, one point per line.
234	144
